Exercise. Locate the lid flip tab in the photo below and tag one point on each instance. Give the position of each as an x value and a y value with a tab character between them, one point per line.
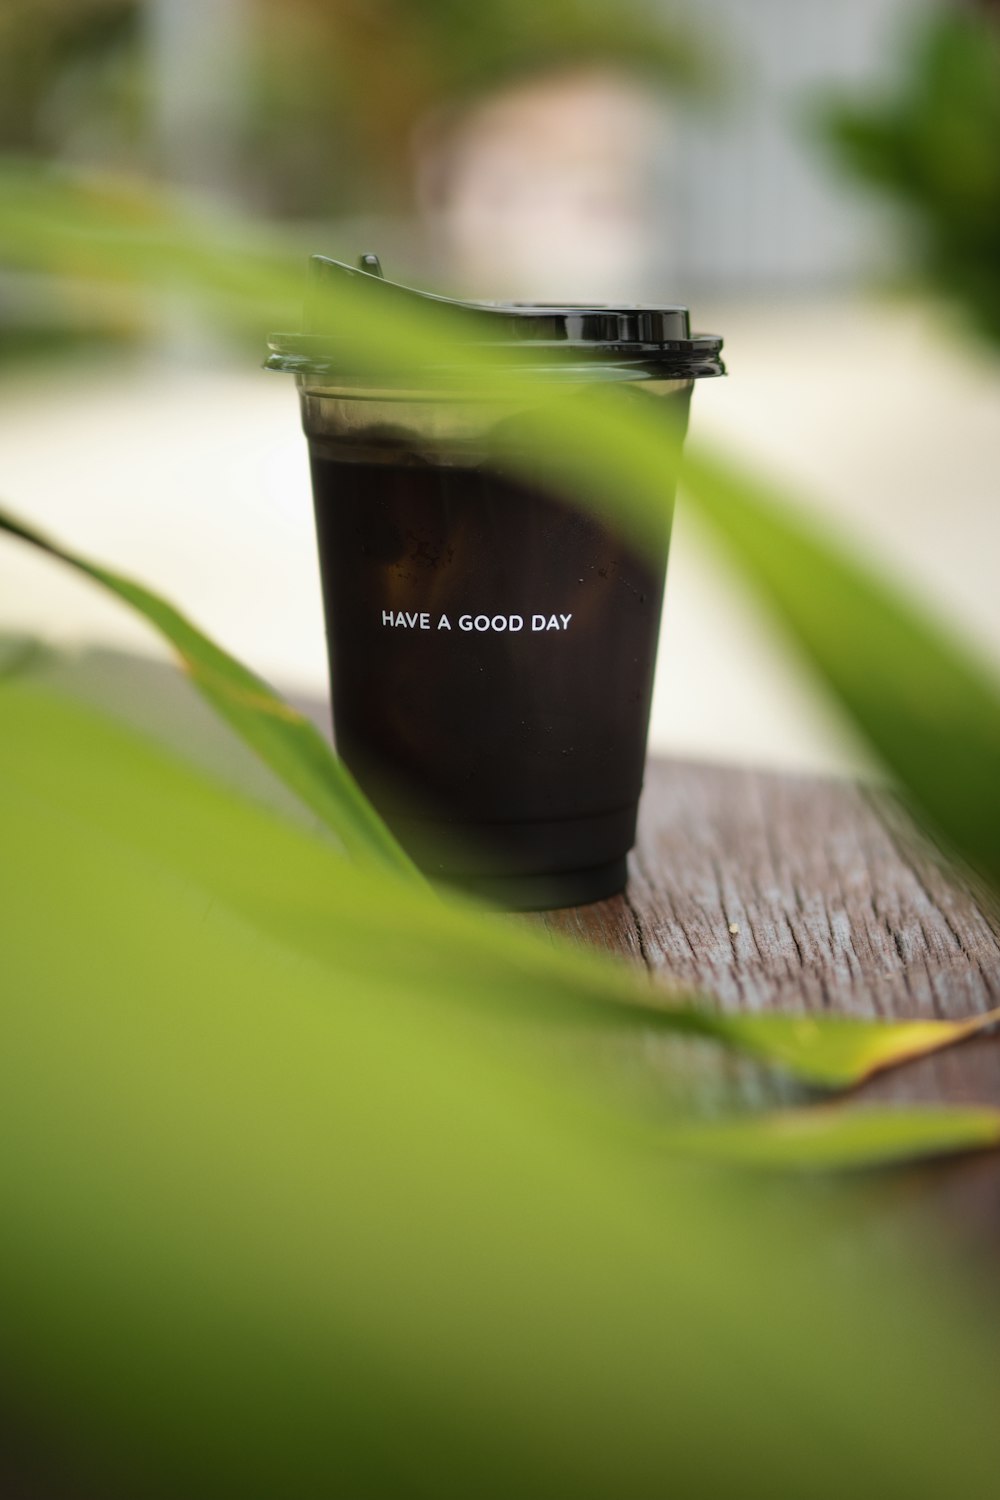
655	340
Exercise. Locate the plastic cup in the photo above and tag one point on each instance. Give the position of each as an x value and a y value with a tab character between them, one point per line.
491	643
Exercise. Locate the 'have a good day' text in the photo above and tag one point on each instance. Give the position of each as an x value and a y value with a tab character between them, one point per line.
400	619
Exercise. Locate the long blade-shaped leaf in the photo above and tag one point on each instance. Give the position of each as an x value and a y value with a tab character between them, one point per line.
300	892
283	738
839	1051
273	1226
929	709
835	1138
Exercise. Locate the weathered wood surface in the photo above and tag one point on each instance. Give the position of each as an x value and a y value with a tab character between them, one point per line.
767	891
790	891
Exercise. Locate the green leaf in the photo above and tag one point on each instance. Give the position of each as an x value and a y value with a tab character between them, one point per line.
294	1208
927	707
279	1221
931	145
835	1138
286	741
300	892
838	1051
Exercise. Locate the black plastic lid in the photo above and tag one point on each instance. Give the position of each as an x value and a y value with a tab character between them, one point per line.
657	341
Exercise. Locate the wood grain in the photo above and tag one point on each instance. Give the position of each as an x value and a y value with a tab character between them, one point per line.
777	892
783	892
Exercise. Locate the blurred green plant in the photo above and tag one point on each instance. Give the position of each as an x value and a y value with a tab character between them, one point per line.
283	1217
826	1052
321	1186
282	738
331	91
933	145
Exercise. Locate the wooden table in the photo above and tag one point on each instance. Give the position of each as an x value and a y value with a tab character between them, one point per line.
767	891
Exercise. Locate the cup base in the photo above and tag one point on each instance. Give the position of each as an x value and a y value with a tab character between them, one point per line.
544	892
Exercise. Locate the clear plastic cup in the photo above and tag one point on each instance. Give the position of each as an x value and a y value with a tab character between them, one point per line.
491	643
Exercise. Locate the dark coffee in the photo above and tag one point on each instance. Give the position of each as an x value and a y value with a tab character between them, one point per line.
491	657
491	646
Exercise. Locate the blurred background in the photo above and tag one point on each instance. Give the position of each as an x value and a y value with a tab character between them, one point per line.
820	183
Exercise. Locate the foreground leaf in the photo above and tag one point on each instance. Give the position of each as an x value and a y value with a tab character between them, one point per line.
929	709
283	738
282	1217
840	1051
931	143
835	1138
297	890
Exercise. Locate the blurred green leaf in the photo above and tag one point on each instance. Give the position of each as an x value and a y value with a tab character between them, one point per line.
932	145
303	894
282	737
838	1051
302	1203
283	1220
834	1138
924	703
